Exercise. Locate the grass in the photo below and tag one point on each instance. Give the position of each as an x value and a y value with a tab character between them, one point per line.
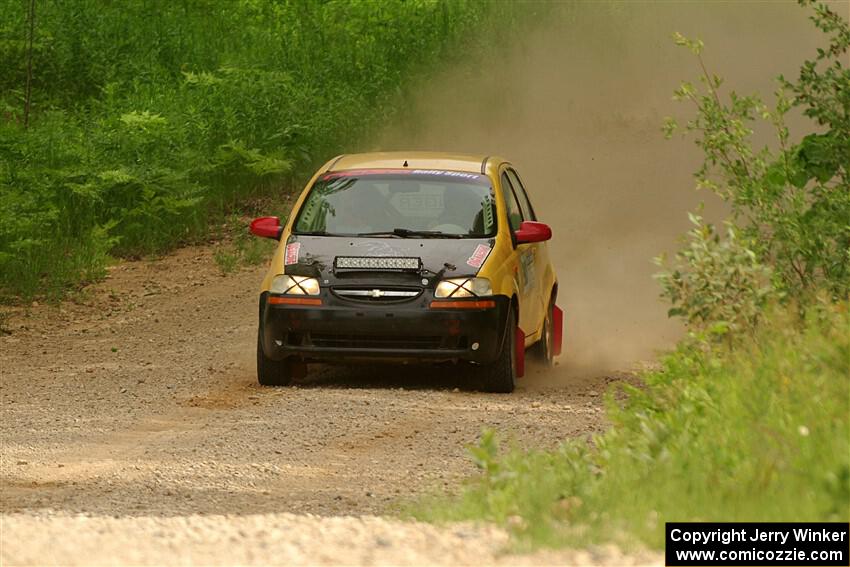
239	247
755	432
235	246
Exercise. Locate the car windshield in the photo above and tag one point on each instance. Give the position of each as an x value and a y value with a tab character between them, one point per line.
399	203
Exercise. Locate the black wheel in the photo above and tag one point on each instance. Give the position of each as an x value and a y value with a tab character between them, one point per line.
544	349
272	372
500	376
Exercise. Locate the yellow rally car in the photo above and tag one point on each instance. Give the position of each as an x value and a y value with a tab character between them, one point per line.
413	257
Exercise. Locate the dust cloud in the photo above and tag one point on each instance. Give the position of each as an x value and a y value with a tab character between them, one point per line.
577	105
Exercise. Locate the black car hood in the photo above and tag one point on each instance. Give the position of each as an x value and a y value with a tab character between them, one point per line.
440	258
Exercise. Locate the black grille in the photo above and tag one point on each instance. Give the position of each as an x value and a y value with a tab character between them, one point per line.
384	295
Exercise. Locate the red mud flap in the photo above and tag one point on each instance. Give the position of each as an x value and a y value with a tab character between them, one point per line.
520	353
557	330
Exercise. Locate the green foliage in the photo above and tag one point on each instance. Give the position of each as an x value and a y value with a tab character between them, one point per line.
240	247
724	288
152	119
791	203
226	261
755	433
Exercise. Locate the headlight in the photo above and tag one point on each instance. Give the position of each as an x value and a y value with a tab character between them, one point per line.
464	287
295	285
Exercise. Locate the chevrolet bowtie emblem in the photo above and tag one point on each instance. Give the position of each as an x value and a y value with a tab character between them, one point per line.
377	293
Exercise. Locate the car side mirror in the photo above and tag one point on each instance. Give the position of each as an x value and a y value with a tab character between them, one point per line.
532	231
267	227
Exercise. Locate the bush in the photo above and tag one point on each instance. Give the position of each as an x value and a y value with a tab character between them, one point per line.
791	203
723	286
755	433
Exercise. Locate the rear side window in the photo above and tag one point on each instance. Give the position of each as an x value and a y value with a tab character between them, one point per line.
513	209
522	197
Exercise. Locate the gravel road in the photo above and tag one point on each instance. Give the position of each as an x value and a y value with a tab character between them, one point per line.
133	431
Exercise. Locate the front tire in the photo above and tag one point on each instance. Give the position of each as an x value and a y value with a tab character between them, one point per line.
500	376
272	372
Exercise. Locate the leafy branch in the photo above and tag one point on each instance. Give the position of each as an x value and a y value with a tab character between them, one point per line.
790	203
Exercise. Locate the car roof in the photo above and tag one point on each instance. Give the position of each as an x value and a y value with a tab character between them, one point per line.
417	160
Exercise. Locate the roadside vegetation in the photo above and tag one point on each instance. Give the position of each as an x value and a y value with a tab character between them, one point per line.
127	128
749	418
758	431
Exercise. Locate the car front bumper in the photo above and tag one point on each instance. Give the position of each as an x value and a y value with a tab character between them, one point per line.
340	330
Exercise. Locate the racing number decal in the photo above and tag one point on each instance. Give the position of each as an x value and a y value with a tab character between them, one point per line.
292	251
478	257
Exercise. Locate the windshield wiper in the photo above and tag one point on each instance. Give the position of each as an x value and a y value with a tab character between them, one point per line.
408	233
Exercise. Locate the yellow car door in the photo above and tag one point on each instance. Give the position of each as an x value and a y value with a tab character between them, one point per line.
526	260
544	278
